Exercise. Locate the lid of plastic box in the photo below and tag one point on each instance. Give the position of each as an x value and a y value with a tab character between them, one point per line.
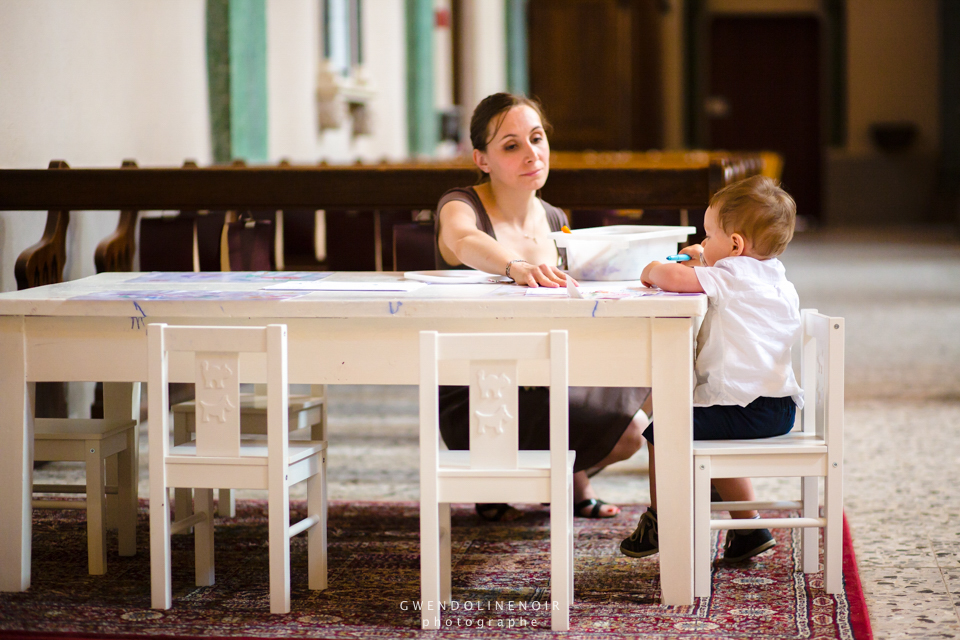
624	233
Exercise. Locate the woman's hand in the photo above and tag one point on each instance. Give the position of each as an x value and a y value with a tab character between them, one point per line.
542	275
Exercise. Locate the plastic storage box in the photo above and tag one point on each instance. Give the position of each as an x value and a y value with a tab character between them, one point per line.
618	252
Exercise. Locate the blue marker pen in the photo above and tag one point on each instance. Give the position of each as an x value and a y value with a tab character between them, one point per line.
679	258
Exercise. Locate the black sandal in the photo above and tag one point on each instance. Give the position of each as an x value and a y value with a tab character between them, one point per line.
594	513
498	512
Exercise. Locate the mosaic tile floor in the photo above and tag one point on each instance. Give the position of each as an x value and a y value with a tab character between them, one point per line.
899	291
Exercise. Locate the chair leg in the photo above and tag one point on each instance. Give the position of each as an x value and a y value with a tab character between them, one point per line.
810	536
127	497
182	498
279	525
317	534
570	533
833	533
318	431
430	564
203	539
701	527
446	559
96	494
226	504
160	591
112	506
561	586
121	401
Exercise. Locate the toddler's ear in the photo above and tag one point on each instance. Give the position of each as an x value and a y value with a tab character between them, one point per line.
739	244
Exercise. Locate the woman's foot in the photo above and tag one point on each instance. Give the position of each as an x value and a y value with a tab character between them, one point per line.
498	512
585	500
595	508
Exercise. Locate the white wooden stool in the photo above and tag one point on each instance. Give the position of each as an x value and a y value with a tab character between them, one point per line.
93	442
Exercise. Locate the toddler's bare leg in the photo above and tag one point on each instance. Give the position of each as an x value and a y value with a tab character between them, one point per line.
731	490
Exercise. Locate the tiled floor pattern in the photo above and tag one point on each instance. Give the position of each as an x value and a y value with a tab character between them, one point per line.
899	291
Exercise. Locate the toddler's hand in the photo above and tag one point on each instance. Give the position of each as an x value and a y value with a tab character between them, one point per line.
645	276
694	251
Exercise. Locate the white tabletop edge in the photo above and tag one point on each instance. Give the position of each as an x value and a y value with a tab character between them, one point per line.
429	301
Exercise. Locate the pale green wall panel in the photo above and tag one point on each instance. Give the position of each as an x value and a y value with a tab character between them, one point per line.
218	77
422	117
248	79
518	77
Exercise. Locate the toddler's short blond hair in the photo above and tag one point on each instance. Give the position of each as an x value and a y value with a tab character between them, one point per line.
759	210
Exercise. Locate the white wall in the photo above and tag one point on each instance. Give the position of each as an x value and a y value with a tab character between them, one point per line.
98	81
385	59
93	83
483	69
293	55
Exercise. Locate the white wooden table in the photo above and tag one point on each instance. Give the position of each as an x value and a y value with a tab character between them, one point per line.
344	338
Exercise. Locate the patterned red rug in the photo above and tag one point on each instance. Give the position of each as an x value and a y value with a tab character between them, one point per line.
500	584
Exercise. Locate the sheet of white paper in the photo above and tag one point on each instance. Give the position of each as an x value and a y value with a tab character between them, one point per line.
572	289
358	285
455	276
548	292
507	291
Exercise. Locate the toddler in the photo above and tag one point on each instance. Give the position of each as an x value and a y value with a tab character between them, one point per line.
745	385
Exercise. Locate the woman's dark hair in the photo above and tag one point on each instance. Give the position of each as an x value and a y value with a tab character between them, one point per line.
495	107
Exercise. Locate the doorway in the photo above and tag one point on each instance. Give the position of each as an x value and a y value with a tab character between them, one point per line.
595	66
764	93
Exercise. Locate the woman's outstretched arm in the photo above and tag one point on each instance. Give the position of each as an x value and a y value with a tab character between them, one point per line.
461	242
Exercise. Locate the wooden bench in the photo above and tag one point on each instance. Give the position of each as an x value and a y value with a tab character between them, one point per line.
678	181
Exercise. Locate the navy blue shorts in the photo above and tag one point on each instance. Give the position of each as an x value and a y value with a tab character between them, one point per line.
762	418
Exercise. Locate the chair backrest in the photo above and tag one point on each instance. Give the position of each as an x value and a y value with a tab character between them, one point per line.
217	373
493	374
821	377
413	246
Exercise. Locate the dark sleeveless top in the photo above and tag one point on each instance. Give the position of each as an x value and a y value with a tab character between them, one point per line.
598	415
555	218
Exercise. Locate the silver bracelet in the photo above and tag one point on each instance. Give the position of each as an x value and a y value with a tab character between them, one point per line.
509	264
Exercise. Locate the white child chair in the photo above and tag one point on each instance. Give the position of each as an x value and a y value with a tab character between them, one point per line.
494	469
814	449
306	412
219	457
94	442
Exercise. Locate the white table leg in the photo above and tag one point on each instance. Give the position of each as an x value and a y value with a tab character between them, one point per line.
16	457
672	373
121	401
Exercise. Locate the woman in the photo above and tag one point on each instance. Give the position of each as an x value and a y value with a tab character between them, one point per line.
501	226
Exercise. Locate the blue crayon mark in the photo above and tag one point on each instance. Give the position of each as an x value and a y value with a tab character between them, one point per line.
392	310
139	309
136	323
593	314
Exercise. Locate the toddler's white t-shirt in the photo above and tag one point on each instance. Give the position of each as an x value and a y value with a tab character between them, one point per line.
743	349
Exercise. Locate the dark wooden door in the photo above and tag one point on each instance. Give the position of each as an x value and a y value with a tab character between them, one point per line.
595	66
764	94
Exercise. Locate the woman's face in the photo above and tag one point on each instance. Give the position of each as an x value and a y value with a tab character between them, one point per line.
518	155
